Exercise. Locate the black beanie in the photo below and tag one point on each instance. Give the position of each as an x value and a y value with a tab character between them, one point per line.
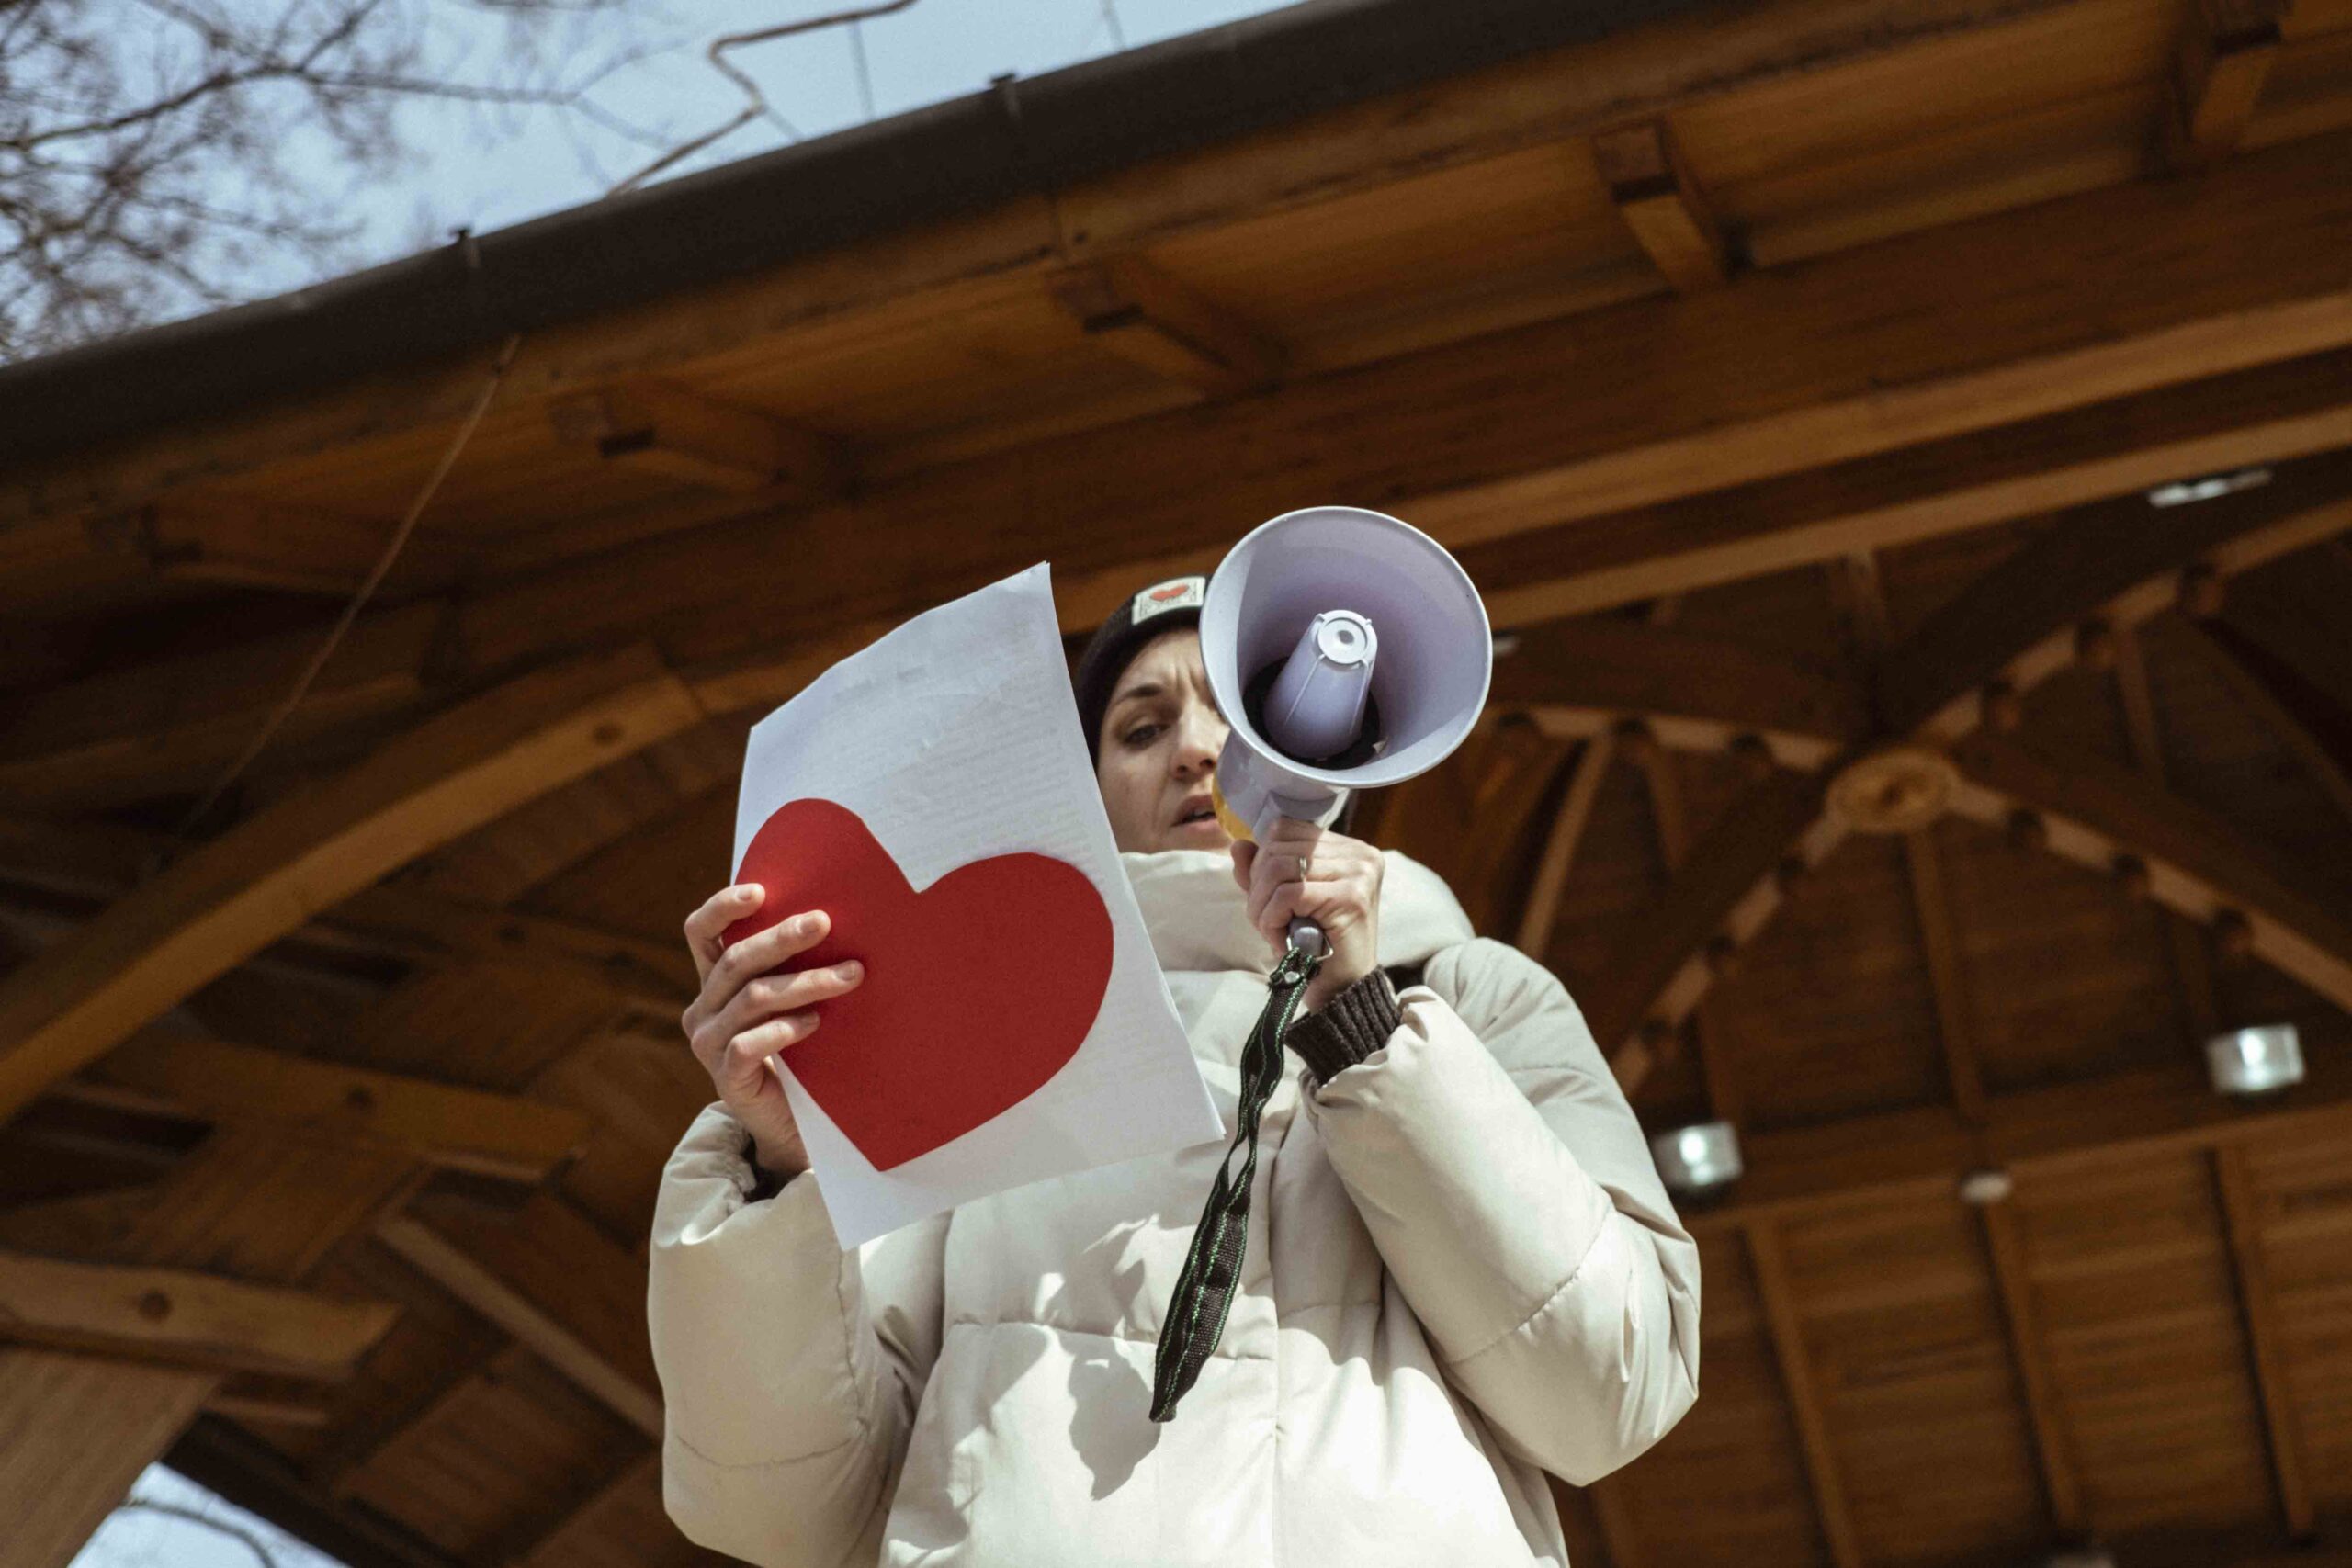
1162	607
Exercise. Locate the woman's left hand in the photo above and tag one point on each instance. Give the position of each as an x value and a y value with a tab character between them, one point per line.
1339	891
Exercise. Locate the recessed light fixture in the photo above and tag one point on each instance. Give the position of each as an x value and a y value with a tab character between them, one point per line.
2255	1061
1986	1186
1506	644
2212	486
1703	1157
2081	1557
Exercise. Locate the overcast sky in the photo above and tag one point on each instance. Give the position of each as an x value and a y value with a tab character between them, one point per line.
136	1538
487	168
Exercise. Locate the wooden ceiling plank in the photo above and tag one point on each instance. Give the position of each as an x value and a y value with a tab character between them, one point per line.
499	1135
1660	200
1130	307
615	1375
184	1318
1947	974
2062	1486
2197	865
2266	1339
1921	1154
2328	760
80	1432
245	543
684	435
1778	1296
266	876
255	1476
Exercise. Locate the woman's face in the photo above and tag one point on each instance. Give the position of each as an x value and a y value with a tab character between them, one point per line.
1159	741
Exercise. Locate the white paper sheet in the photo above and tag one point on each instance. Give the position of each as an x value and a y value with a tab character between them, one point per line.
956	738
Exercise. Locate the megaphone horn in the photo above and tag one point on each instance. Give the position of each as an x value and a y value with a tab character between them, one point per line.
1347	650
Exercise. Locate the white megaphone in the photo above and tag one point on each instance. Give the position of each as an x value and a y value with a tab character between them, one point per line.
1346	650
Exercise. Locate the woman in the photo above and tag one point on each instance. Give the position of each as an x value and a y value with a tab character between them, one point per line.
1461	1268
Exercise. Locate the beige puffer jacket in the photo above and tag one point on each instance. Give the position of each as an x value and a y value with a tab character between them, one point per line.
1461	1272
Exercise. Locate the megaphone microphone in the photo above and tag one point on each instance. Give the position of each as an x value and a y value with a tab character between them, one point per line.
1347	650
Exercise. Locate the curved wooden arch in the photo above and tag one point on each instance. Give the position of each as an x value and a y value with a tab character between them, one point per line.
2018	627
266	877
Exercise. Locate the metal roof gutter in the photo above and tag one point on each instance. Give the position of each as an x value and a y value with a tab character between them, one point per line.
1020	138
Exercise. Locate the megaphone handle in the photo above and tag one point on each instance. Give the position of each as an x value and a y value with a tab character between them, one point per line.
1308	937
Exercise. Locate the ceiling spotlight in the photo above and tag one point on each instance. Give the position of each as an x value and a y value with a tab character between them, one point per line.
1986	1187
2212	486
1506	644
1696	1160
2081	1557
2255	1061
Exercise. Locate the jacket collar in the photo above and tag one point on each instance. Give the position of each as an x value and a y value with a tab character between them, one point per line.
1199	919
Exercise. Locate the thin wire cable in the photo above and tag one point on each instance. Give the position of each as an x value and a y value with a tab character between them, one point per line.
864	76
293	699
755	103
1118	33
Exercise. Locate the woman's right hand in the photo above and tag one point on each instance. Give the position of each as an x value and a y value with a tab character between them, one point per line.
745	1015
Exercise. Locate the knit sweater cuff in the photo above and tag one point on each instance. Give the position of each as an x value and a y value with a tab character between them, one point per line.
1350	1027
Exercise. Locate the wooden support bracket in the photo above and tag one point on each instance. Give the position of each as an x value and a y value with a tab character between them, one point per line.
1141	314
684	435
1663	205
2218	75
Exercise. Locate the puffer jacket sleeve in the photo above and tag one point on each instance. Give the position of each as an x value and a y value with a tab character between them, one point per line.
1513	1197
790	1370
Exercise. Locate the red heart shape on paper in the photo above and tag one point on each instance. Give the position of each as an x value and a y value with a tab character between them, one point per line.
977	990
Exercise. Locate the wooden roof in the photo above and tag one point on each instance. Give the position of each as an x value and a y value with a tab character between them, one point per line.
1881	769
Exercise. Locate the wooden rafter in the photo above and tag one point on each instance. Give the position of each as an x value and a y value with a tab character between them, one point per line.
1661	202
2191	960
2121	1118
80	1431
549	1280
1774	1290
498	1135
2266	1339
2054	1446
2197	864
245	542
1560	842
184	1318
2313	739
2017	626
266	876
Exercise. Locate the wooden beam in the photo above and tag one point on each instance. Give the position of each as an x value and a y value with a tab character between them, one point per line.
246	543
2114	1120
265	877
2191	962
1786	1327
1582	676
2265	1337
2219	69
2053	1448
1560	842
2317	741
104	739
684	435
2197	865
80	1431
1132	308
249	1473
184	1318
91	865
548	1279
497	1135
2120	563
1947	975
1660	200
